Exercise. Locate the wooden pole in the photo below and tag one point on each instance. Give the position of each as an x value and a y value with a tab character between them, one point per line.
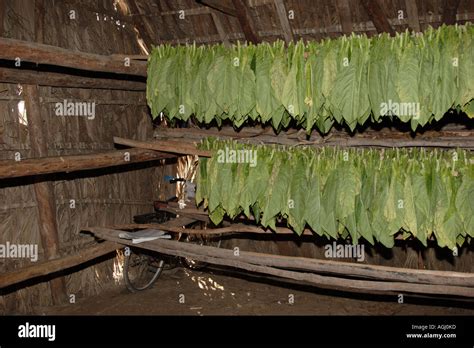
412	14
220	28
218	6
170	146
450	10
284	21
10	49
43	190
441	139
345	16
140	24
56	265
68	164
2	16
317	265
261	263
53	79
377	16
245	20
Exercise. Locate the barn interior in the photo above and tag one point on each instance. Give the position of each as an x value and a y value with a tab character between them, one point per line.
84	159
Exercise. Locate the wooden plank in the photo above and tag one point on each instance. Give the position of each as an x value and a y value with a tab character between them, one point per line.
53	79
412	15
450	11
345	16
377	16
218	6
165	146
52	55
73	163
245	20
56	265
263	263
284	22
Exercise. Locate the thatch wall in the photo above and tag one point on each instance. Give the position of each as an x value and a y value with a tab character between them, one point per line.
102	197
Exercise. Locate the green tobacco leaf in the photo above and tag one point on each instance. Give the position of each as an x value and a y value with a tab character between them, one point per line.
266	102
298	191
277	192
223	83
408	79
340	193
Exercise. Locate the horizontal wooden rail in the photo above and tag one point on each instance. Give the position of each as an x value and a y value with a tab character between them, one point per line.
72	163
11	49
56	265
53	79
177	147
443	139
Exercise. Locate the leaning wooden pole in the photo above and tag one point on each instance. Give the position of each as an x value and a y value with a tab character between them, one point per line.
282	266
44	190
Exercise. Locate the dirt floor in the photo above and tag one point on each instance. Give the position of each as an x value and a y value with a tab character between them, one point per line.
213	292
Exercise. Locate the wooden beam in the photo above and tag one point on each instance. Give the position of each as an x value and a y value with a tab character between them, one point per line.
442	139
140	25
44	193
39	21
3	8
377	16
220	28
68	164
218	6
335	267
10	49
275	264
56	265
450	10
284	21
345	16
245	20
412	16
53	79
358	27
177	147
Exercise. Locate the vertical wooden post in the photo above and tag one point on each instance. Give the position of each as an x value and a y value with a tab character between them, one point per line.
44	192
2	16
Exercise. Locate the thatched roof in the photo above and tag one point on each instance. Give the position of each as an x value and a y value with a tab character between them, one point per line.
211	21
